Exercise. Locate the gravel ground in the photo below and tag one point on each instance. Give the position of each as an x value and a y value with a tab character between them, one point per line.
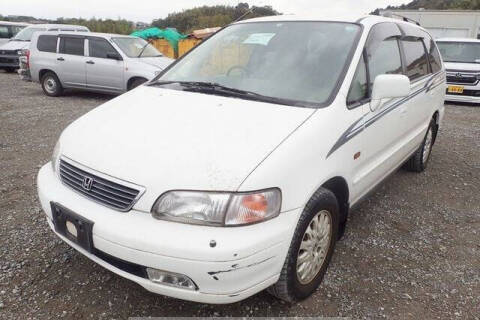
411	251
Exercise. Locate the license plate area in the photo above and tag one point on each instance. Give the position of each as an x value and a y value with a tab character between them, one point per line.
72	226
455	89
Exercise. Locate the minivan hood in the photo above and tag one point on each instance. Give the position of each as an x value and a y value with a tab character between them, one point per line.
455	66
165	139
15	45
158	62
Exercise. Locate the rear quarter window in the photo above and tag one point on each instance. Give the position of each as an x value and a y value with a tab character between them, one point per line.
47	43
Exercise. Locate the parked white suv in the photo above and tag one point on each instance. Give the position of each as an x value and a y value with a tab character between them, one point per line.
11	51
235	169
462	61
91	61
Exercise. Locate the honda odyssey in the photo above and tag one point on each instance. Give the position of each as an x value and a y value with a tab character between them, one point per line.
235	169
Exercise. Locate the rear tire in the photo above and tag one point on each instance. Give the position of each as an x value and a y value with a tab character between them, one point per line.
136	82
51	86
309	253
418	162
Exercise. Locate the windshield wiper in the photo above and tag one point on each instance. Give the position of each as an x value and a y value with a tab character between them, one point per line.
143	49
213	87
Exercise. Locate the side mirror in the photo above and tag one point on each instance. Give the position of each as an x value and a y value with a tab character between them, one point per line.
114	56
389	86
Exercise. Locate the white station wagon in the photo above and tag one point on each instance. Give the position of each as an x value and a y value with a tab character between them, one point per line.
235	169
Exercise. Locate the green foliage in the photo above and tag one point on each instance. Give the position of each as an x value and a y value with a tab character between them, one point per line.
438	5
99	25
211	16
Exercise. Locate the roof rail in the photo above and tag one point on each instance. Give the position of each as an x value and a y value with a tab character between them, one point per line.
406	19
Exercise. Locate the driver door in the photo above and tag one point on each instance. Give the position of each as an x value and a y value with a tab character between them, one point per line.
103	71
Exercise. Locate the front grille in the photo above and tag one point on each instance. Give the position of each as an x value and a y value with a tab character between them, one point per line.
104	191
469	93
8	52
463	79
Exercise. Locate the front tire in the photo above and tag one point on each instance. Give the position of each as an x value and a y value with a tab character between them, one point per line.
311	249
51	86
418	162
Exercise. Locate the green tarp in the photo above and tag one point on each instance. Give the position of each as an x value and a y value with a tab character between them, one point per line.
171	35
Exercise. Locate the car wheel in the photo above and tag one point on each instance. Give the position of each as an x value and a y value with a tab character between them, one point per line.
51	85
310	250
9	70
135	83
418	162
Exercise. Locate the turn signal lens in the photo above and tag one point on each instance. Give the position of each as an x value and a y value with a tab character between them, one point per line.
253	207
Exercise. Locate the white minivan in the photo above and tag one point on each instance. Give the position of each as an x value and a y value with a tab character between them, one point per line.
236	168
462	62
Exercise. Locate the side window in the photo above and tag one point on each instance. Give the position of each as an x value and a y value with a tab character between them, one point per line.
99	48
72	46
47	43
385	59
4	32
359	87
415	58
433	55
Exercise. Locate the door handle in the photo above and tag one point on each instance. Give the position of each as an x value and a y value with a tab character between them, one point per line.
60	59
90	62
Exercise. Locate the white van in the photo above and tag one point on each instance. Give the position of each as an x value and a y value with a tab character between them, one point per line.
9	29
11	51
236	168
462	61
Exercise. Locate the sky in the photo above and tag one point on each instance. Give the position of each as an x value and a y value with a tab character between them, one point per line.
147	10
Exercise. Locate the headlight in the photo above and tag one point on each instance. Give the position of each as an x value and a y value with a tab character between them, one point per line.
55	156
19	52
218	208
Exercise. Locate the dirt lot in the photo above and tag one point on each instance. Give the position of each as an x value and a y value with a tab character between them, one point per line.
411	251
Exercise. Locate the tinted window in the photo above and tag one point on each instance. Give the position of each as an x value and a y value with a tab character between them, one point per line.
415	59
47	43
433	56
4	32
72	46
359	88
385	59
99	48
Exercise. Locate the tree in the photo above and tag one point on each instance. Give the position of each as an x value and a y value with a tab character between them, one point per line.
211	16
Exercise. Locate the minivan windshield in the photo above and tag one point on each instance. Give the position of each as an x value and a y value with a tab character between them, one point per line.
299	63
27	33
462	52
136	47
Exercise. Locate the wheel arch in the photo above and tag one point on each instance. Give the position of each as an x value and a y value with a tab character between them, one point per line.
133	78
42	72
436	118
339	187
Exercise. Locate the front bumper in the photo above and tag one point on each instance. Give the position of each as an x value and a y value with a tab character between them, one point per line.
9	61
245	260
462	98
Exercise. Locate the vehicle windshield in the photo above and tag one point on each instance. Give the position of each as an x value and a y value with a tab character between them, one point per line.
463	52
136	47
26	34
297	62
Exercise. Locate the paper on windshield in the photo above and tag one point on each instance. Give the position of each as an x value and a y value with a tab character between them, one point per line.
259	38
